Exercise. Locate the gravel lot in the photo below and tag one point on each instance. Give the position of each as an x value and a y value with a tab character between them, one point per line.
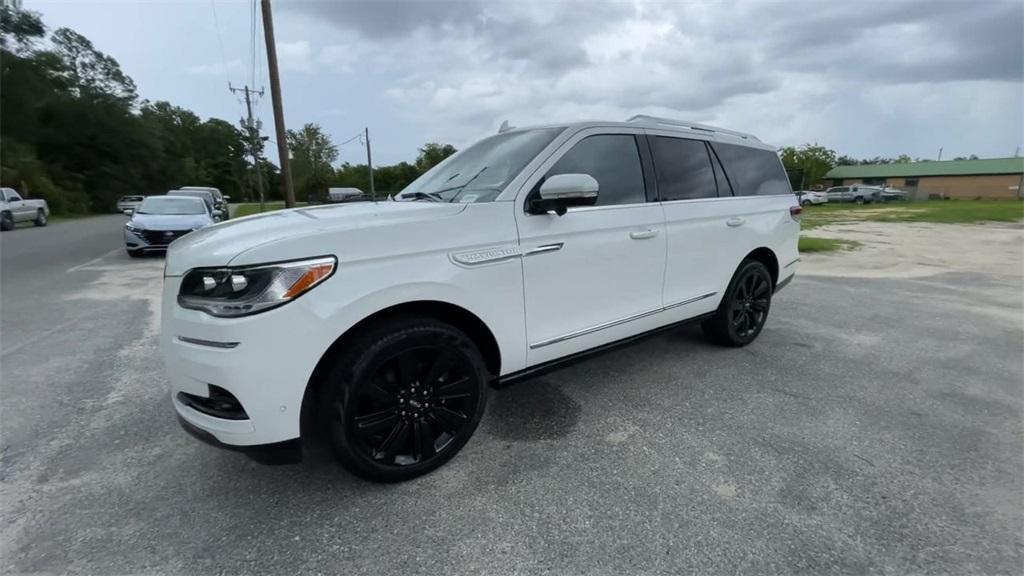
875	427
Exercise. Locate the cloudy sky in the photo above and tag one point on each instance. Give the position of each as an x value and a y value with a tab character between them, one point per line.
863	77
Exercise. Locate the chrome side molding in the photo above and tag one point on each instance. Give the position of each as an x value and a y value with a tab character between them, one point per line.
604	325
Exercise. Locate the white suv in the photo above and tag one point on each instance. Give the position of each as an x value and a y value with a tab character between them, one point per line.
381	325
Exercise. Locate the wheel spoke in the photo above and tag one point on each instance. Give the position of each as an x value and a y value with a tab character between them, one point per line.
449	419
440	367
376	422
759	305
405	366
394	442
452	390
376	391
424	440
761	288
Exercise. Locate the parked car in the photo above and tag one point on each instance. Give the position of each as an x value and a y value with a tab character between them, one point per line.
160	220
14	209
220	201
808	197
888	194
857	194
129	203
345	195
207	197
382	324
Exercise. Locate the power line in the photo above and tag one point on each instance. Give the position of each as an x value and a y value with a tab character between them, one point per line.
220	41
358	136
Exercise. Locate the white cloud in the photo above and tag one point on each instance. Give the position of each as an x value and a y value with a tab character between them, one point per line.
295	56
216	68
864	77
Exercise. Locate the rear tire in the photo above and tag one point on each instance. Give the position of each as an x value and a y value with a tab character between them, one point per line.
805	203
403	398
40	218
858	200
6	222
744	308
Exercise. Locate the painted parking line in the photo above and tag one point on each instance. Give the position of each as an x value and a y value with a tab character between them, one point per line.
94	260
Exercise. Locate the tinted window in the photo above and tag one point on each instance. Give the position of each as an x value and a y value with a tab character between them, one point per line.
683	168
753	172
614	161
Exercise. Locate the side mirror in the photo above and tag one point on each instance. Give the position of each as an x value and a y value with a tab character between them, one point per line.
128	211
562	191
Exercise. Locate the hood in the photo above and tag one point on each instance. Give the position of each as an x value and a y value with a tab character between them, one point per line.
170	221
218	245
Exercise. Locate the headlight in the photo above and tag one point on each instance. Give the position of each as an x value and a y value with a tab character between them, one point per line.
132	228
243	290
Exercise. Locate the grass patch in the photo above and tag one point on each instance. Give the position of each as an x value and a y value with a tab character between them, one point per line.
937	211
254	208
811	244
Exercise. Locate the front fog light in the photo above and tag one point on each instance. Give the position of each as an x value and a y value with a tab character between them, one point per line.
243	290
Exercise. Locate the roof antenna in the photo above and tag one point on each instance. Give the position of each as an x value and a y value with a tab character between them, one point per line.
504	127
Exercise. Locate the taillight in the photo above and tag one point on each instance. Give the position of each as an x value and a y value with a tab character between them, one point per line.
795	212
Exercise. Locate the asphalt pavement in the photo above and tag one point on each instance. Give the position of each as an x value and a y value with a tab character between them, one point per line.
874	427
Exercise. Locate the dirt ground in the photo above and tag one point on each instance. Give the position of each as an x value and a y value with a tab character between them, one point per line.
917	249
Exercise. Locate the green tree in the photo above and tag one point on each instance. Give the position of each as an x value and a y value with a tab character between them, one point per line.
807	164
432	154
313	155
88	69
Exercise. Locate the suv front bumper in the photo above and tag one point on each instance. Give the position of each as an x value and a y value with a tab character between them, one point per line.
260	361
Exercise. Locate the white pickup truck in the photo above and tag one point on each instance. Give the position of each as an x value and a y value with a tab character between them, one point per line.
14	209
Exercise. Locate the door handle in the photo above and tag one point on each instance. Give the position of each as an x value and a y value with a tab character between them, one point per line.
545	248
649	233
734	222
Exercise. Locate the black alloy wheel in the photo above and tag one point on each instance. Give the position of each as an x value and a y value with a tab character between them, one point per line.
409	402
744	309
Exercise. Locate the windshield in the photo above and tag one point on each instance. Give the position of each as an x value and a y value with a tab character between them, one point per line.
480	172
193	194
171	206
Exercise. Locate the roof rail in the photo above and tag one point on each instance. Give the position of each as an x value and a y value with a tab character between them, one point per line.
690	125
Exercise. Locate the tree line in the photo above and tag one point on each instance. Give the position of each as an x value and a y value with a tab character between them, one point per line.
808	164
76	134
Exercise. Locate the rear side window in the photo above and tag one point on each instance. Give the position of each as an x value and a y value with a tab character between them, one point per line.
751	171
614	161
683	168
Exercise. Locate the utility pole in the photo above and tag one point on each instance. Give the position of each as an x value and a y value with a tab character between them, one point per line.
369	163
940	154
253	131
275	95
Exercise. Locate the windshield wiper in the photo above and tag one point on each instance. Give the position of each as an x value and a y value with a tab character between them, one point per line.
460	186
432	196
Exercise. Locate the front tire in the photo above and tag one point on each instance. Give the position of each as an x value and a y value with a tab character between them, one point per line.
805	203
744	309
858	200
403	398
6	222
40	218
